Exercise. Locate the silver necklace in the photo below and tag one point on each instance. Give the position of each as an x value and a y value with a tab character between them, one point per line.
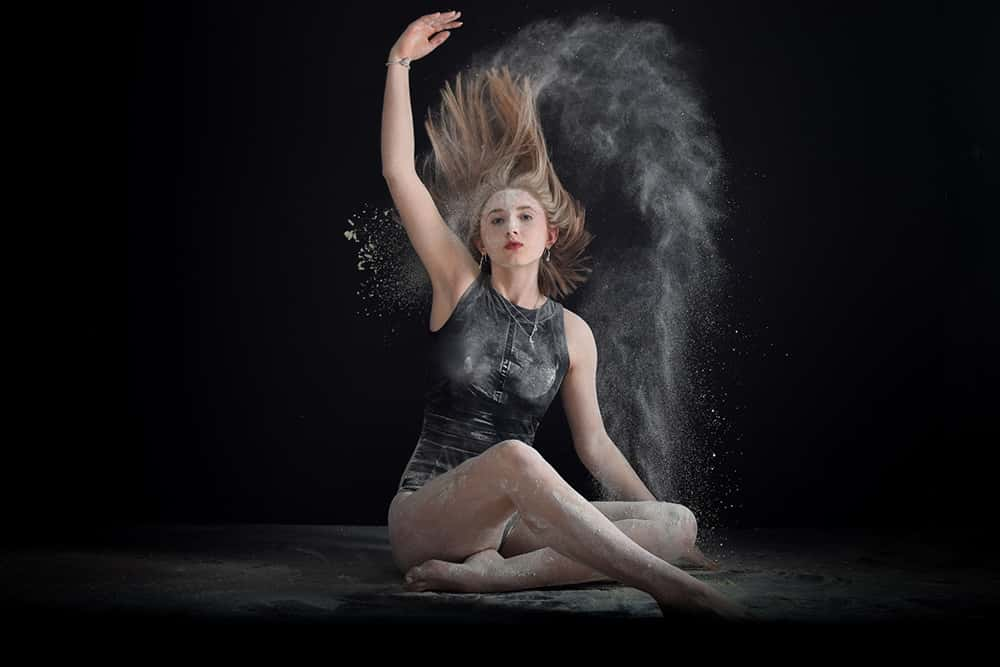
531	336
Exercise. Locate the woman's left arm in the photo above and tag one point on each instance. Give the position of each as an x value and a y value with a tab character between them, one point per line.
607	463
595	448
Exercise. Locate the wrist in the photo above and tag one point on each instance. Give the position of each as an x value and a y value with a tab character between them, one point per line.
395	54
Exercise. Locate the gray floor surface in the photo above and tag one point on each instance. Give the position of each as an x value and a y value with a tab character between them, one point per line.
345	574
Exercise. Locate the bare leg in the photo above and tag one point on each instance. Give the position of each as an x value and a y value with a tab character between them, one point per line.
489	572
562	518
670	532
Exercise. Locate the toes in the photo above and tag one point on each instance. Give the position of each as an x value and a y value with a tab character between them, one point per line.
413	578
414	581
698	559
424	577
436	575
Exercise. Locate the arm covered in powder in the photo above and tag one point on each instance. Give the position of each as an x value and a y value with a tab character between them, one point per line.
598	453
607	463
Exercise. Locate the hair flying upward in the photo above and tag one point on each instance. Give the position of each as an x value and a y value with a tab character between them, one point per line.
487	137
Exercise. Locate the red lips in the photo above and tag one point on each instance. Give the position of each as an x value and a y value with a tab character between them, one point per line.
512	245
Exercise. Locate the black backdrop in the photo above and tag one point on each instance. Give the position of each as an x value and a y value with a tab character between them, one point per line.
860	248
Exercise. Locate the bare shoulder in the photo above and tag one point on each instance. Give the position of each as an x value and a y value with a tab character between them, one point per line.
573	322
579	336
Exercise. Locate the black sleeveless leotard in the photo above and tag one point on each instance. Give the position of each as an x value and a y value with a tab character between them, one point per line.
486	382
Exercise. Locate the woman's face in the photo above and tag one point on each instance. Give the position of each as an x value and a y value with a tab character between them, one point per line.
514	215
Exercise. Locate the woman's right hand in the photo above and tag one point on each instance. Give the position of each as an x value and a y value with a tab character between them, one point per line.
424	35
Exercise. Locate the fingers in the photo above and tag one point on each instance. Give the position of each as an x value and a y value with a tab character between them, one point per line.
444	16
434	27
442	20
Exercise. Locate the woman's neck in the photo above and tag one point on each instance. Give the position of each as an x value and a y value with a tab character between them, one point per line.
520	288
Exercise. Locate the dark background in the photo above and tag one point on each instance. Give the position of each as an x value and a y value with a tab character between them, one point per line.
861	245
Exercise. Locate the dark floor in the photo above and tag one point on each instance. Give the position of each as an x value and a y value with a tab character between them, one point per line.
345	574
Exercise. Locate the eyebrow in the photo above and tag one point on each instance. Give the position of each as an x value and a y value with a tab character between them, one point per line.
502	210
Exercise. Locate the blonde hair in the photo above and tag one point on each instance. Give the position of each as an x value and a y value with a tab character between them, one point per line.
487	137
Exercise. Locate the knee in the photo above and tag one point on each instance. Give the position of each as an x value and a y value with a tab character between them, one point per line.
680	520
519	456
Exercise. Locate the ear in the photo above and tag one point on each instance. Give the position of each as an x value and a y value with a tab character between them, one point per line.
553	234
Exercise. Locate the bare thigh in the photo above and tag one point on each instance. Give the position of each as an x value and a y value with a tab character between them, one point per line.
677	520
458	513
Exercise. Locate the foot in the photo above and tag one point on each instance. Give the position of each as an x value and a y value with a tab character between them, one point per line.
440	575
694	558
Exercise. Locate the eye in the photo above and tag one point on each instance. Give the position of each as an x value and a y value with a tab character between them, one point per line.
525	215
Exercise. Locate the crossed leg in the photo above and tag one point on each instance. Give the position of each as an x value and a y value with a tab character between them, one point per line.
460	516
524	562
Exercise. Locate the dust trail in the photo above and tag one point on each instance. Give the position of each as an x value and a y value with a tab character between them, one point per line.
624	121
391	281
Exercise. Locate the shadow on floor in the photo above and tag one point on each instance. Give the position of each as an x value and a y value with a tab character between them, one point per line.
345	574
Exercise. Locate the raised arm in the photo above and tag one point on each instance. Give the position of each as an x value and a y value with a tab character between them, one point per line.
420	38
442	253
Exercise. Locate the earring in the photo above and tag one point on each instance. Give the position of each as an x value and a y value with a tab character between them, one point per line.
481	259
548	256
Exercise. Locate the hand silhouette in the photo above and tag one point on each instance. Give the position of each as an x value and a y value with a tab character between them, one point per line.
424	35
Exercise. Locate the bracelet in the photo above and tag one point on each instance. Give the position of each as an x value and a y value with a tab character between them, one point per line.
405	62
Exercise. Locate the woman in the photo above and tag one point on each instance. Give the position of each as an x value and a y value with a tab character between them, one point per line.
478	509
